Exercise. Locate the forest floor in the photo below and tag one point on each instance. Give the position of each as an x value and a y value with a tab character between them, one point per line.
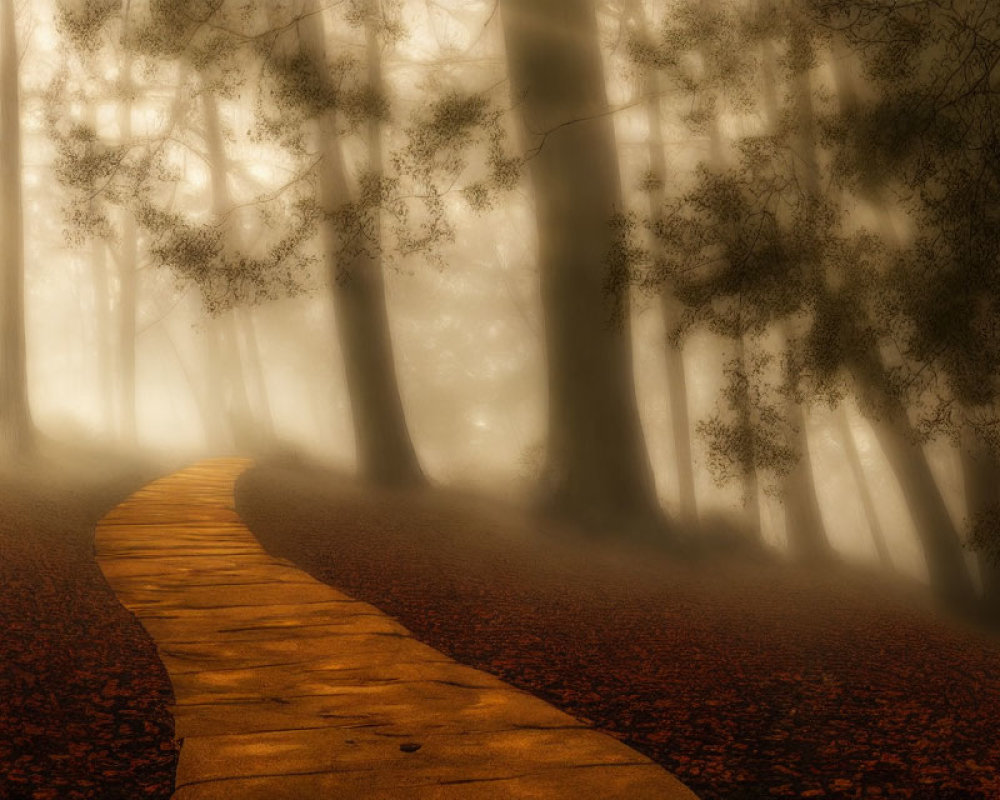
746	679
83	695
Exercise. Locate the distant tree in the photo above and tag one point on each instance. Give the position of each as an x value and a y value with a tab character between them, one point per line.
306	101
652	87
16	431
754	430
919	139
352	240
796	263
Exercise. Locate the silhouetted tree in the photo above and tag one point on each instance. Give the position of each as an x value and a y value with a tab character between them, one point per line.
598	469
16	432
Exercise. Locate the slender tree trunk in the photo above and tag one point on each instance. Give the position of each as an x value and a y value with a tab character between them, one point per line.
748	469
208	410
254	366
804	524
803	517
674	356
215	406
249	431
861	482
16	430
598	468
718	161
246	433
102	326
384	447
981	473
128	265
102	316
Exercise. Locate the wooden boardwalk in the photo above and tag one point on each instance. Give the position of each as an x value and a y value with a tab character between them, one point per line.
286	688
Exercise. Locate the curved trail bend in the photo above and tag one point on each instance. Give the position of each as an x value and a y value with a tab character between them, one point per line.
286	688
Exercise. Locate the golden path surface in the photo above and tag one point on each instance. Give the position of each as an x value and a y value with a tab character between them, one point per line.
287	688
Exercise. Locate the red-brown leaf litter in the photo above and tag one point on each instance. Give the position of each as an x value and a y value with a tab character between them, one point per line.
83	696
746	679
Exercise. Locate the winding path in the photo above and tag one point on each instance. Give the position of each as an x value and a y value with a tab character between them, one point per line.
286	688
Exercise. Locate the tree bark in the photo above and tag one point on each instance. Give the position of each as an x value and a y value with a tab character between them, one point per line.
16	430
674	356
598	468
384	448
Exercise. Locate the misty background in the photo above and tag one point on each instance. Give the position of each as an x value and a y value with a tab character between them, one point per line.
666	270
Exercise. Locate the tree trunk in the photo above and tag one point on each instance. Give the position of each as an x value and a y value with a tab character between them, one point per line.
384	447
804	525
246	436
598	467
803	518
676	377
751	482
201	392
717	160
939	538
938	535
128	264
102	327
981	473
215	406
16	430
253	366
102	315
858	472
249	432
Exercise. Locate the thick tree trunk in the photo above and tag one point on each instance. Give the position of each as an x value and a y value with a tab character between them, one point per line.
598	469
384	447
674	356
861	482
16	431
981	473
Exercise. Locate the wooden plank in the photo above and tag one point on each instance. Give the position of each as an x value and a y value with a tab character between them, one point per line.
287	688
